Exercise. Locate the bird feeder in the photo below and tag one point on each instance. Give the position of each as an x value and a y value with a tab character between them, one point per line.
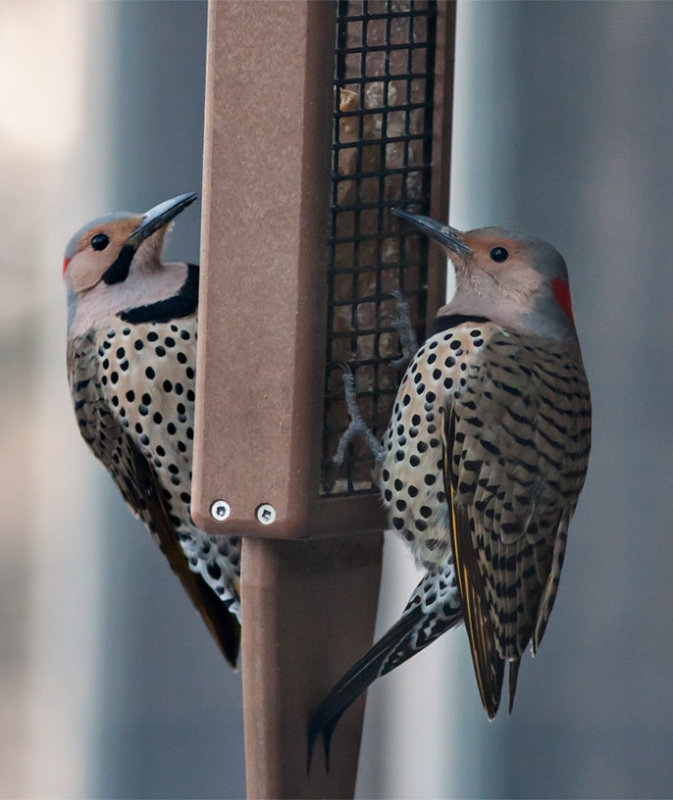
320	119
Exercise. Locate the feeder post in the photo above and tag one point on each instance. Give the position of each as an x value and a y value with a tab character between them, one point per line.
308	607
274	315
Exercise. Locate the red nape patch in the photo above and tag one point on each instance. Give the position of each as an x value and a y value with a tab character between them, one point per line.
562	295
66	261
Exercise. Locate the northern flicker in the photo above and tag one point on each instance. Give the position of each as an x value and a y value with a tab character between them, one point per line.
132	328
484	458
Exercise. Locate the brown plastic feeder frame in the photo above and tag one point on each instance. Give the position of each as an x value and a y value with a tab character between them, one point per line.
309	591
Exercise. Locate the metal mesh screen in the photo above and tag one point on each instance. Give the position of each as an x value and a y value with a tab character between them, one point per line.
383	96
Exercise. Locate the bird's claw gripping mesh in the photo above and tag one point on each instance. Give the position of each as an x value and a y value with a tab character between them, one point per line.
357	426
404	328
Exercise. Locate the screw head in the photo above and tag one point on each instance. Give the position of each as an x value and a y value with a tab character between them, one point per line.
220	510
266	514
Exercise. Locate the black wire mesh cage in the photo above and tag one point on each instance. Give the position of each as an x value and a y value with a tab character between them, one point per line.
382	152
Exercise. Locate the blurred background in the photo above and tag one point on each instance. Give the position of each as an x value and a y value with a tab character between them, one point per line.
109	685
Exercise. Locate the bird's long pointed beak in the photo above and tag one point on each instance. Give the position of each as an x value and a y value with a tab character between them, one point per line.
435	230
159	216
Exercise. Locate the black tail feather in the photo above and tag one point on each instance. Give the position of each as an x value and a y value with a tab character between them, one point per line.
513	674
415	629
356	681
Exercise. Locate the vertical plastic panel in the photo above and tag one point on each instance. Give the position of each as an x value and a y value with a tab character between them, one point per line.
441	148
308	614
266	193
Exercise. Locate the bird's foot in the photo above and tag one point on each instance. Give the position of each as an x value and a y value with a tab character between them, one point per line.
357	426
406	334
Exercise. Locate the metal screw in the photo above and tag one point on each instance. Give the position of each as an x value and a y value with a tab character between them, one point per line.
220	510
266	514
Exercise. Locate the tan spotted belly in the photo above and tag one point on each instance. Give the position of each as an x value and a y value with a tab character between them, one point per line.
411	478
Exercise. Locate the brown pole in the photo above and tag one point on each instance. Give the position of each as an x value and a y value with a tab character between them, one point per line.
308	613
308	607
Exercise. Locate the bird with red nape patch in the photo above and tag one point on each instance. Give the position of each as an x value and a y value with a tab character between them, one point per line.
483	461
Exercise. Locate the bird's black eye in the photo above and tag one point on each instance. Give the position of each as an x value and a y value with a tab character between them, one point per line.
499	254
100	241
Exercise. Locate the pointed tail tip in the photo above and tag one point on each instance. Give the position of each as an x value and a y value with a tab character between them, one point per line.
492	704
232	660
310	744
327	738
513	676
313	732
491	708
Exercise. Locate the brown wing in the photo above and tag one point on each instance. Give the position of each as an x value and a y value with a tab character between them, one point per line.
517	443
139	486
223	625
488	665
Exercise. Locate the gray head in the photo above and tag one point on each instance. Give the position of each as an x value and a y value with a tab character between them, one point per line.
114	262
513	279
106	248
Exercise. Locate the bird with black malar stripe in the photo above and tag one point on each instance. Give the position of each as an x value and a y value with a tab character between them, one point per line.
483	461
131	356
